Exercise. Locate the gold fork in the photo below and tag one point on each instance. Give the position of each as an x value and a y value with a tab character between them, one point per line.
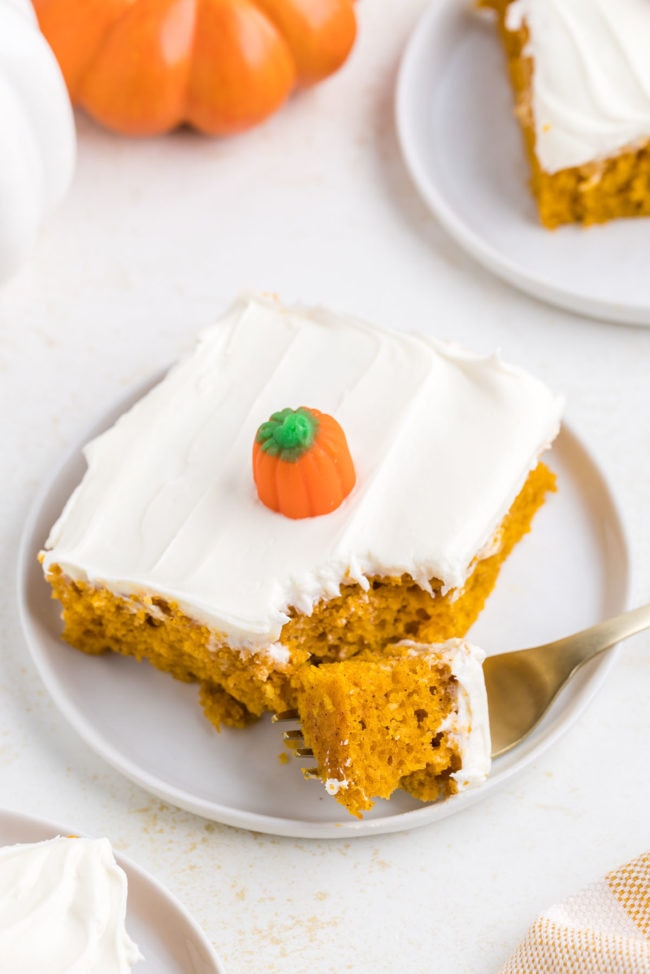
295	741
522	684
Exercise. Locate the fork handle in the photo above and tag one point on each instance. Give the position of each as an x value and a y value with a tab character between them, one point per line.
587	643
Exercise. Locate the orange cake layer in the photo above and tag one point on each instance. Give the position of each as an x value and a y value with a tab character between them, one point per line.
238	685
408	718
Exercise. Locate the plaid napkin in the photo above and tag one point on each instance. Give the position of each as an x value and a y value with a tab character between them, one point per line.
605	929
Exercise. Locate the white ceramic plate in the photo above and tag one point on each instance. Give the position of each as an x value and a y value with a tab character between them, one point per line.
168	938
569	572
465	153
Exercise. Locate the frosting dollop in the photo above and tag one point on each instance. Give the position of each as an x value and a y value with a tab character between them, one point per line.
62	908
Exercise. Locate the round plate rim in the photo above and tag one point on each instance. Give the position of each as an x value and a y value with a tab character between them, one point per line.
50	829
502	266
536	744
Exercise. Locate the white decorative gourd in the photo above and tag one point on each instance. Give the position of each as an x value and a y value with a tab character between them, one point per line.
38	135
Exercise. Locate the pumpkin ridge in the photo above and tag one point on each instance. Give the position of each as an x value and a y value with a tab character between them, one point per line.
314	61
190	62
76	85
326	491
329	442
244	90
264	473
292	491
108	34
330	438
188	79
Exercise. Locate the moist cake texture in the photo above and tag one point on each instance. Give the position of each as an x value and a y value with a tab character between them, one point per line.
412	717
164	551
581	77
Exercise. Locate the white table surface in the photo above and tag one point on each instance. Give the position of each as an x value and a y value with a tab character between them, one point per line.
154	240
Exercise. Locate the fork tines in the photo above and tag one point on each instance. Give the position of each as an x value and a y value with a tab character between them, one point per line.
284	715
294	740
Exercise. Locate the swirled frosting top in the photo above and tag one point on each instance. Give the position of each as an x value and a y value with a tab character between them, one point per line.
591	76
442	442
62	908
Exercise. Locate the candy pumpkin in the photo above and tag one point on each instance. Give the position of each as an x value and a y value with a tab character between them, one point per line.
143	67
301	463
38	137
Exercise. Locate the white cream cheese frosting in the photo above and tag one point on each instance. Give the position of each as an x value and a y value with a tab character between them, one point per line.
591	76
62	908
469	722
442	442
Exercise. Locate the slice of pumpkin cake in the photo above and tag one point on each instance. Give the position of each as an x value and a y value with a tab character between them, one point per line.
414	717
580	75
299	488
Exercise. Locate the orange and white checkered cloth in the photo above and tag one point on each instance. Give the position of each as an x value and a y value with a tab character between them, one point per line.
605	929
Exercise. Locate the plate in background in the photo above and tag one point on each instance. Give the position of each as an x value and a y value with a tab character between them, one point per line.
169	940
464	150
569	572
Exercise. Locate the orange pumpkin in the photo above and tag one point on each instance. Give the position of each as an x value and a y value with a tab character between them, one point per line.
301	463
143	67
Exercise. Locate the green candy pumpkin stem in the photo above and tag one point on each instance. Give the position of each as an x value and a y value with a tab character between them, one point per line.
288	434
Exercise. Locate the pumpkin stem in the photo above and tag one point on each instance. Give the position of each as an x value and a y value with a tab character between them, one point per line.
288	434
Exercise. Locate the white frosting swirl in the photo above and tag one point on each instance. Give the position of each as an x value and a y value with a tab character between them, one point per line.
591	77
442	442
62	908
